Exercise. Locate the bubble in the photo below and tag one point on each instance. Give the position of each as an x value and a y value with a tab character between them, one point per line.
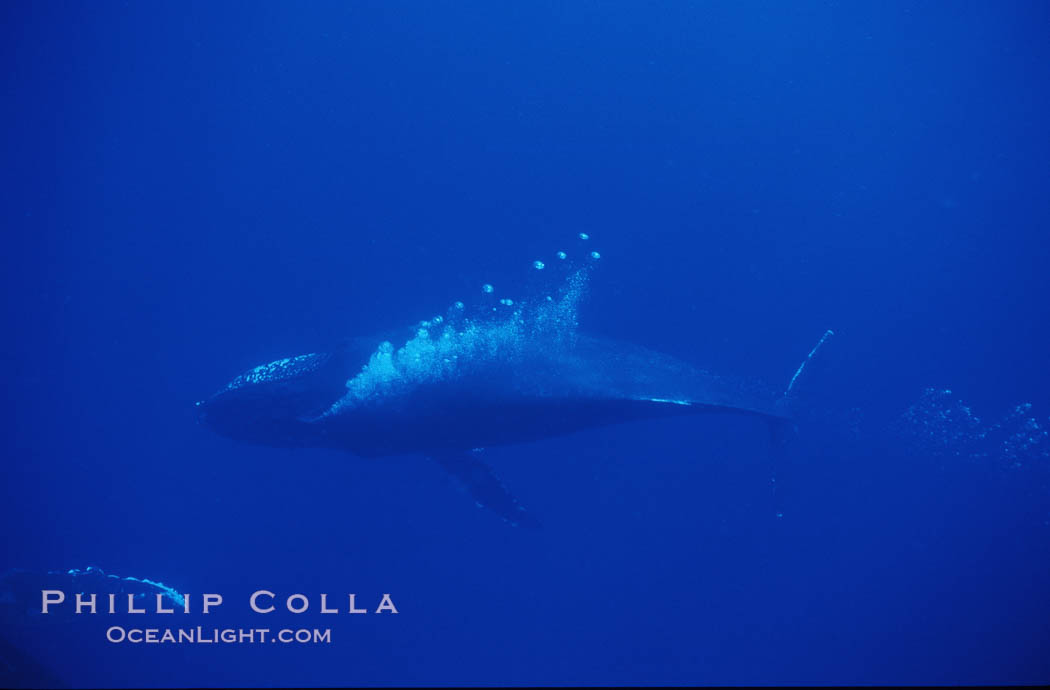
438	319
595	255
584	236
487	288
423	333
506	302
562	255
459	305
539	265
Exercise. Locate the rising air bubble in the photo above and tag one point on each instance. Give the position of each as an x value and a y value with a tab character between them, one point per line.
486	288
562	255
584	236
595	255
539	265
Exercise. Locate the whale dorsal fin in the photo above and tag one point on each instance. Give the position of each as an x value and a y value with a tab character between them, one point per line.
484	486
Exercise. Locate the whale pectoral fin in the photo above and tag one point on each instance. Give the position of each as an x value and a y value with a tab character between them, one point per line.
485	487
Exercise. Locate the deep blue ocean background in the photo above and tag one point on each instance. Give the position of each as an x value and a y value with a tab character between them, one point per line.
194	188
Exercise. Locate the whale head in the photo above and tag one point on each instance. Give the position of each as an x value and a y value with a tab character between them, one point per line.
272	403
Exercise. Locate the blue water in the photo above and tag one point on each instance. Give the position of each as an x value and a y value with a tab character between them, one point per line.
193	189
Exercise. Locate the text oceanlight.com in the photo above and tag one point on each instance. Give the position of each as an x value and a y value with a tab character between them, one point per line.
201	635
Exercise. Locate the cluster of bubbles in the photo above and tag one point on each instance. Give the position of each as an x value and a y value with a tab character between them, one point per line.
940	424
495	332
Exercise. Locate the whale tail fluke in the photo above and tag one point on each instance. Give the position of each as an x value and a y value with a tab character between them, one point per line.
485	487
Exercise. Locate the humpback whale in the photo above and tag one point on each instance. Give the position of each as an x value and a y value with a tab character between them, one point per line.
500	372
